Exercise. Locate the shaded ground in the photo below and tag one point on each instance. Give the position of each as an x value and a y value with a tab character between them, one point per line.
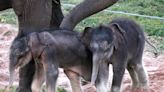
154	66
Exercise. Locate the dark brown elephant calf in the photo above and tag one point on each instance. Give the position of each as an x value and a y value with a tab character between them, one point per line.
52	50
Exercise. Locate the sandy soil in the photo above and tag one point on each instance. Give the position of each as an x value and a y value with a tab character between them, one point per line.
154	66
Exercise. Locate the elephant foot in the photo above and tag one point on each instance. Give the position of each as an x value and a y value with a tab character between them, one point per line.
23	90
128	88
140	90
89	88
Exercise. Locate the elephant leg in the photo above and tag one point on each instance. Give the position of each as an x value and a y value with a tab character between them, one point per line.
133	75
57	15
26	77
52	73
51	66
142	76
51	77
118	72
102	78
74	80
137	66
39	78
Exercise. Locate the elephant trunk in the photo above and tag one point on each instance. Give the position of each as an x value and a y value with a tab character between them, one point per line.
12	72
95	68
84	10
12	66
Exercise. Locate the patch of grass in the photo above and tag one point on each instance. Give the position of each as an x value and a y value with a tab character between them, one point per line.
150	26
8	16
71	1
14	90
61	90
158	42
143	7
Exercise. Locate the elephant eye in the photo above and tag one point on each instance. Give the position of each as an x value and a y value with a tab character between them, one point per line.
105	45
94	46
20	56
16	51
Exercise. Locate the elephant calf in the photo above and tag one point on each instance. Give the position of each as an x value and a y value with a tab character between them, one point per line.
52	50
121	44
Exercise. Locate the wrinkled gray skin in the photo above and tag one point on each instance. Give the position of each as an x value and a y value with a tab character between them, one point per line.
51	51
121	44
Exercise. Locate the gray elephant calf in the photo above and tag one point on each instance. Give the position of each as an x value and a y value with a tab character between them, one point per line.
121	44
52	50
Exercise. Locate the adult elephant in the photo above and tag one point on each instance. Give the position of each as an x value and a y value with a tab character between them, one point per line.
39	13
34	15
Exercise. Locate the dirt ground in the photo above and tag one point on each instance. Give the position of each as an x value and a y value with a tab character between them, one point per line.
154	66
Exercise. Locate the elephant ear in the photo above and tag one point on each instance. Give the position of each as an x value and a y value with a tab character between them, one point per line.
85	35
118	34
34	42
18	6
86	31
25	45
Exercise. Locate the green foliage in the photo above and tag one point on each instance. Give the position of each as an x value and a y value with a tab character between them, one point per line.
14	90
144	7
71	1
61	90
151	26
8	16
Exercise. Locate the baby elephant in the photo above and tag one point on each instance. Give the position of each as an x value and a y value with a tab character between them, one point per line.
121	43
51	50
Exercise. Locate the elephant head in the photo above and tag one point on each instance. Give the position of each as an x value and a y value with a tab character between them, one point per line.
102	41
23	51
19	56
